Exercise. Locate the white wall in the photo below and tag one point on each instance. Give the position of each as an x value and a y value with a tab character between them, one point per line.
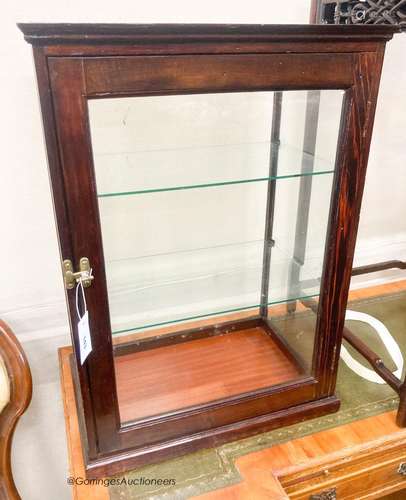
31	295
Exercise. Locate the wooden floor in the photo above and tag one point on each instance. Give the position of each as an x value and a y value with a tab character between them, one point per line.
272	472
199	371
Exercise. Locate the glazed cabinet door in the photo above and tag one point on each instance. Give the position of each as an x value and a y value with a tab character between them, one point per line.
182	185
220	234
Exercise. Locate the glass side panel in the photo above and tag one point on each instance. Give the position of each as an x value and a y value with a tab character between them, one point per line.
300	225
185	187
297	277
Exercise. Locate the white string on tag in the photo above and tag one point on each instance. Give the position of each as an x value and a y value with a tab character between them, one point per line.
80	285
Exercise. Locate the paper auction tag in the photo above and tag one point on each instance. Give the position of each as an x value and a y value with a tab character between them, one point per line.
85	340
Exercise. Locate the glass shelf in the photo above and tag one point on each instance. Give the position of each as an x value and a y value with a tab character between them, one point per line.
153	171
182	286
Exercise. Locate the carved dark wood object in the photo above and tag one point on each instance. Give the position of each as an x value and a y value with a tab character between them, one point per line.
391	12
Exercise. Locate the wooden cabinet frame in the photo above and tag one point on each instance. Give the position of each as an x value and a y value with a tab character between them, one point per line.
75	63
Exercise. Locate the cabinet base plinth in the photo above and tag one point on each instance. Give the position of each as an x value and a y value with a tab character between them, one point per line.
134	458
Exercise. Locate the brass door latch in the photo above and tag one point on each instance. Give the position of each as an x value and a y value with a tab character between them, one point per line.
84	274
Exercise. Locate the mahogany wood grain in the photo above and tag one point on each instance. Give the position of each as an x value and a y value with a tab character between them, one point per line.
207	423
181	375
19	374
401	415
59	197
351	165
240	47
145	75
373	358
184	59
379	266
63	33
97	375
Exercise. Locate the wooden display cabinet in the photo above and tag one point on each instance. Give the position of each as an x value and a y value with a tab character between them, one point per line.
178	156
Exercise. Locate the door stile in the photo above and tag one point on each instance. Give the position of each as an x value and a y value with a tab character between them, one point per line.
61	216
97	374
351	167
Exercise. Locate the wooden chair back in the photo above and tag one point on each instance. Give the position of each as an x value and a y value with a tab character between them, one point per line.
20	391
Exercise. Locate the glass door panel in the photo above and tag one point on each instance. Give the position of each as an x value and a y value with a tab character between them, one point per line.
185	184
191	259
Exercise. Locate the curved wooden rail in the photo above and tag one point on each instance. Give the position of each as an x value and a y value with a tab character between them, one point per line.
20	396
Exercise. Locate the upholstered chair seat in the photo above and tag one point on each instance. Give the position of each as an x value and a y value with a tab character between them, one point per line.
4	386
